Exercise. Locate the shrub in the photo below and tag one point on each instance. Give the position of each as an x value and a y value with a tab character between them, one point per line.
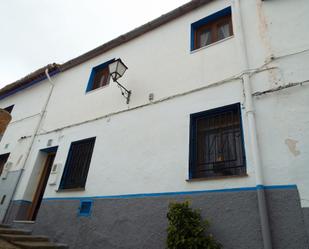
187	230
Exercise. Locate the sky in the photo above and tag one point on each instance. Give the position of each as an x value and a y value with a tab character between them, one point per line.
34	33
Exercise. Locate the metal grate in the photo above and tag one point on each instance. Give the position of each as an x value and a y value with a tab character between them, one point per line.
77	164
85	208
217	143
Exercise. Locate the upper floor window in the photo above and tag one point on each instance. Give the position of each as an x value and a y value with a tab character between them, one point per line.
211	29
99	76
216	143
77	164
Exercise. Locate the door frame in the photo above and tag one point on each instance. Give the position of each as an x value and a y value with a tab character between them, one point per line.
41	186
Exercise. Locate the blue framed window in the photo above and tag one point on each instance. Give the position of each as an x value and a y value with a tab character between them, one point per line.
77	164
99	76
216	143
211	29
85	207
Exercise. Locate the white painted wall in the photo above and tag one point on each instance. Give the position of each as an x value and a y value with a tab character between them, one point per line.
28	105
159	62
146	149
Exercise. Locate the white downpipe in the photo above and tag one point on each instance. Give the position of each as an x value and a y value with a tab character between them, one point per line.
37	128
250	112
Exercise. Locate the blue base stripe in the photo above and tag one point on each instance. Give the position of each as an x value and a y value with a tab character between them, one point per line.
142	195
22	201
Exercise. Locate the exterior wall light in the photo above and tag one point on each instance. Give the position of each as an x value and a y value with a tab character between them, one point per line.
116	70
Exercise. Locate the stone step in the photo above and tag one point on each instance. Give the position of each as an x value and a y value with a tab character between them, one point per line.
4	226
6	245
14	231
40	245
17	237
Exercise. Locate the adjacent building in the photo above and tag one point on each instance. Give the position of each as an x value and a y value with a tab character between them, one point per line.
213	108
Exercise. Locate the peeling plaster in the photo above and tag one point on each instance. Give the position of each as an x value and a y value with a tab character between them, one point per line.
263	27
291	143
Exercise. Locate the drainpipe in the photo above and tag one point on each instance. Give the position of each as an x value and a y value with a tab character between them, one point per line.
42	115
250	112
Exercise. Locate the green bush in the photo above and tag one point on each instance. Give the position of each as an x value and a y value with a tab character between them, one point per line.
187	230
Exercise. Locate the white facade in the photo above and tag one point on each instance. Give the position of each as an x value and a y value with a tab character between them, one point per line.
143	147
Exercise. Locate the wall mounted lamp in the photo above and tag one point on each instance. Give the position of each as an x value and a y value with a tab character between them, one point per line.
116	71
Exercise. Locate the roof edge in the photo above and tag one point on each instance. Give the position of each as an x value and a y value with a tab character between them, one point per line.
54	68
165	18
29	80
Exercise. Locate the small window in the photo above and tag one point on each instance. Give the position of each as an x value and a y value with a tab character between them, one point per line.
9	108
211	29
216	143
77	164
3	160
85	208
99	76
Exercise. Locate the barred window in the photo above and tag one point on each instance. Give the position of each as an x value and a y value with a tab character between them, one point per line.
77	164
216	143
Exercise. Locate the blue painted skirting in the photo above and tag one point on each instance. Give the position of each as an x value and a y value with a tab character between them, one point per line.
293	186
22	201
258	187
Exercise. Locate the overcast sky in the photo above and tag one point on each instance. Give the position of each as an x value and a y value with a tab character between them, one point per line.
34	33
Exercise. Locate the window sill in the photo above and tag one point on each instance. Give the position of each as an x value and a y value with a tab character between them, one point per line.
70	190
215	178
212	44
24	221
97	89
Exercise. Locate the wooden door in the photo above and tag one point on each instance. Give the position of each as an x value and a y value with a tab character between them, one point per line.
37	199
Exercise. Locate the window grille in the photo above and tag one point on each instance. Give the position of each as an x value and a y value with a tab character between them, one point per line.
85	208
77	164
216	143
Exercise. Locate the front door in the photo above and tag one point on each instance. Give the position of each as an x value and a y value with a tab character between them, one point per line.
38	196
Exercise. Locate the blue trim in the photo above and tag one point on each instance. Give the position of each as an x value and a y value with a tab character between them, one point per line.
292	186
22	201
225	12
93	71
31	83
50	149
87	212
